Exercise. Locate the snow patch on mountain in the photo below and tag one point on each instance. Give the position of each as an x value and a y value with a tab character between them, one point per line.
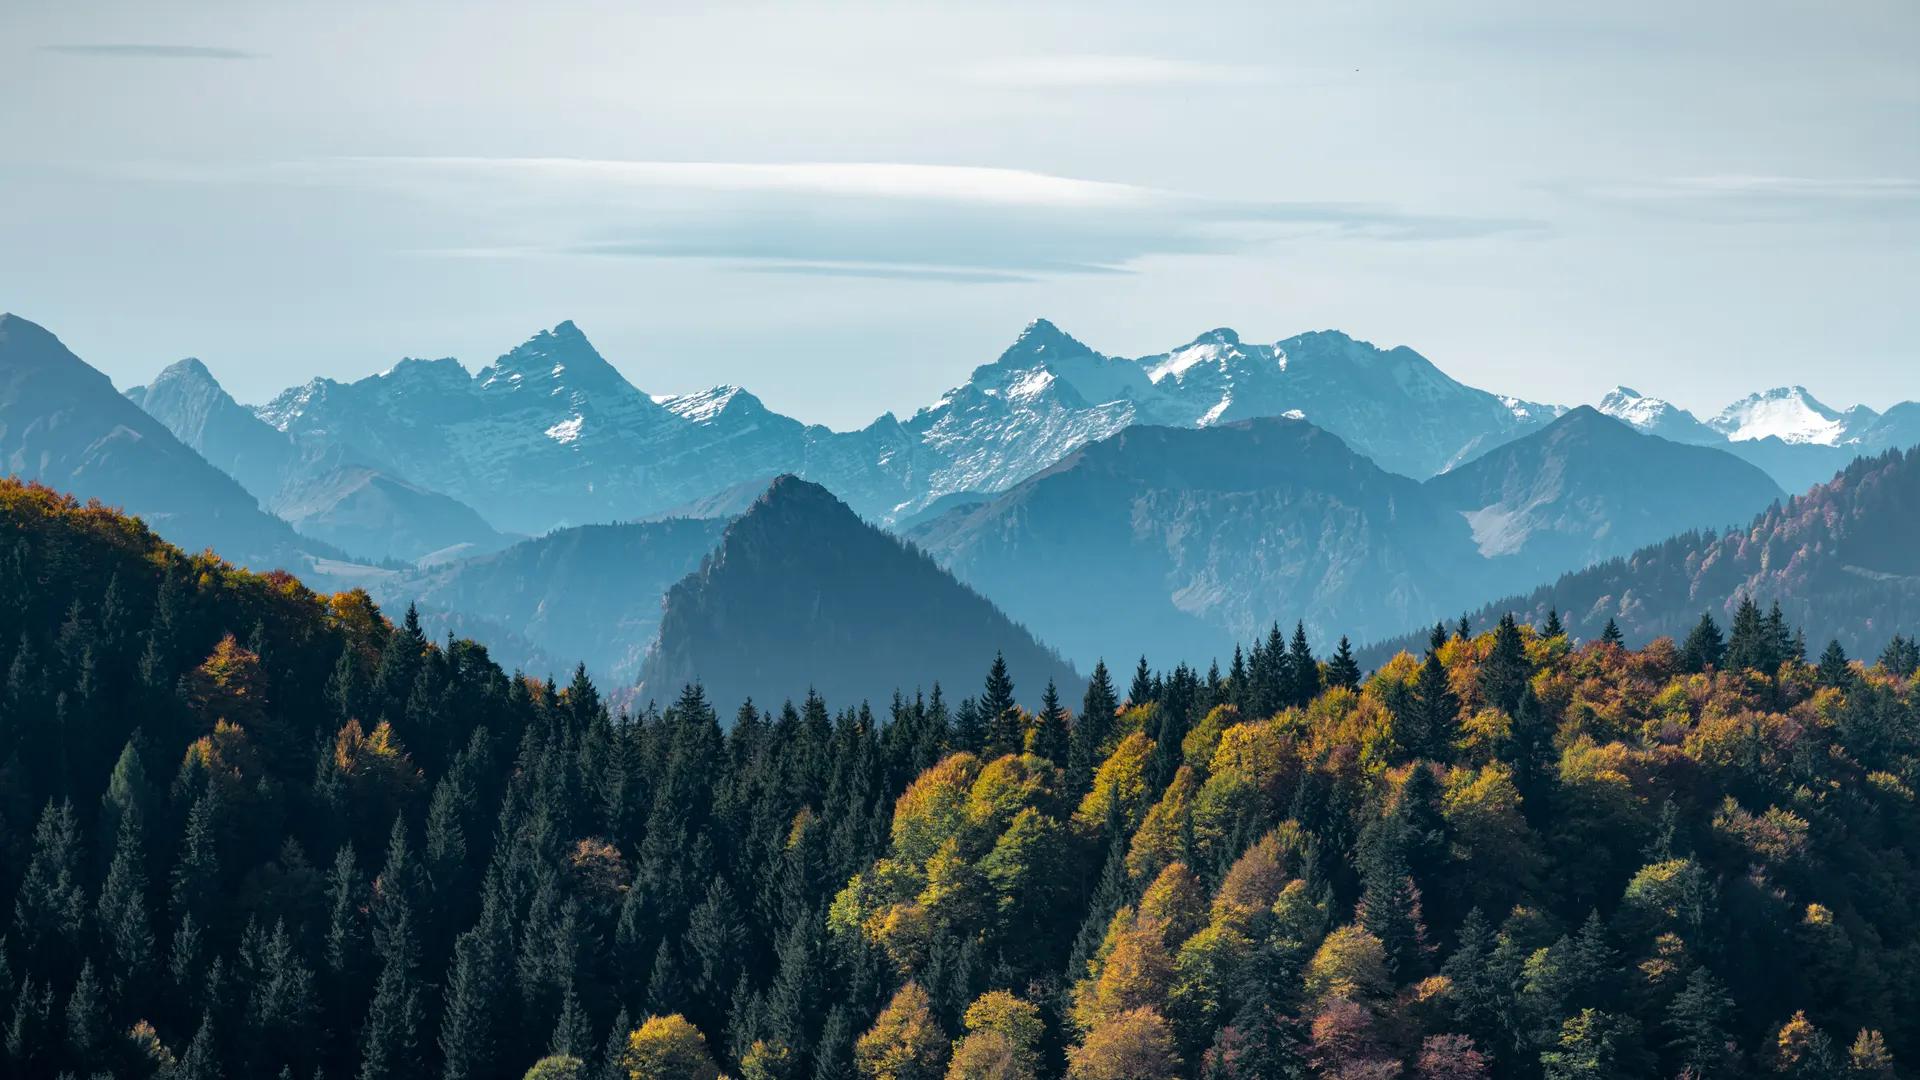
566	431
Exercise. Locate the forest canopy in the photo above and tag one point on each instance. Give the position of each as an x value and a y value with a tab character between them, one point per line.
255	831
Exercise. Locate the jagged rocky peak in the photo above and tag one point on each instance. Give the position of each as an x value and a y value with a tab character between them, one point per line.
552	359
443	371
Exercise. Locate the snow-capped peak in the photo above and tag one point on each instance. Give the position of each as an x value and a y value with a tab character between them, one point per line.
1626	404
1215	347
704	405
1788	413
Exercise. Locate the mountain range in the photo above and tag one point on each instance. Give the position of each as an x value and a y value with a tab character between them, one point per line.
1787	431
550	434
1101	500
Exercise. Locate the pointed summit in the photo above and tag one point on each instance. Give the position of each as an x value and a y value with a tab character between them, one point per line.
554	361
802	594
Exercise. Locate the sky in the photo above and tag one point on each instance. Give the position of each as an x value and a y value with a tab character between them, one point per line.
846	207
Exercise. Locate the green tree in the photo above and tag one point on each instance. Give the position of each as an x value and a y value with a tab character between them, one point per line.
1705	648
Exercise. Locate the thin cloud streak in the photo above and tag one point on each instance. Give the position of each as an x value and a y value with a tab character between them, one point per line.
152	52
969	224
1755	198
1067	71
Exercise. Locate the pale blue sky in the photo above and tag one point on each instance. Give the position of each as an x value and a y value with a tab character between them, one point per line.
846	207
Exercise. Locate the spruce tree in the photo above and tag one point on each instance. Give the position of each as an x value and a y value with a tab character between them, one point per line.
1748	649
1051	737
1697	1024
1432	713
1705	648
1303	670
1343	670
1505	671
196	885
475	1026
87	1021
50	908
1611	635
1833	670
998	711
1901	657
1090	730
202	1058
1141	691
1554	627
126	929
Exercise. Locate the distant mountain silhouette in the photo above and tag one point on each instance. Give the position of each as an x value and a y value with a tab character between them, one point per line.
1587	487
1840	560
1181	542
803	594
63	424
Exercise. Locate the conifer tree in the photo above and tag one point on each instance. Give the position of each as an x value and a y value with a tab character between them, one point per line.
1748	648
573	1032
1051	737
1554	627
196	869
1342	669
474	1029
1833	670
126	929
202	1058
998	711
1142	690
87	1021
1505	671
1901	656
1697	1024
1704	648
1611	635
50	908
1302	669
1090	730
1432	713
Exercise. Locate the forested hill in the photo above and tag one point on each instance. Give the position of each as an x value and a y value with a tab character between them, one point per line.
802	595
1840	560
252	831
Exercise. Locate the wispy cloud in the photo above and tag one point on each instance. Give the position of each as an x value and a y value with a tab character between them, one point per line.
1746	198
963	224
1086	70
156	52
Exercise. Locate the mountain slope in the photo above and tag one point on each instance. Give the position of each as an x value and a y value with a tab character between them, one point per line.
803	594
1840	560
63	424
1183	541
377	516
587	594
198	410
1588	487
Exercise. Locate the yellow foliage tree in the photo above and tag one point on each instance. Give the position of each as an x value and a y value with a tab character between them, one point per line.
1134	1045
905	1042
668	1048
